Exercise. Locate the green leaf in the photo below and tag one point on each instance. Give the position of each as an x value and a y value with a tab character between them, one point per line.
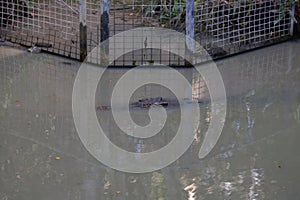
28	3
293	16
278	20
274	11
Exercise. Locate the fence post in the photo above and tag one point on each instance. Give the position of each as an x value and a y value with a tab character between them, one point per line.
292	18
104	30
104	19
82	29
189	27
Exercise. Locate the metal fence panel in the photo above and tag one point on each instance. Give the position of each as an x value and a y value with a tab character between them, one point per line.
223	27
50	24
228	27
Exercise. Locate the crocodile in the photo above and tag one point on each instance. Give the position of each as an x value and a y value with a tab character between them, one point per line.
148	102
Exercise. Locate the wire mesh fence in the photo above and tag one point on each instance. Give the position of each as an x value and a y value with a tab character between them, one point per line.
228	27
52	25
221	27
126	14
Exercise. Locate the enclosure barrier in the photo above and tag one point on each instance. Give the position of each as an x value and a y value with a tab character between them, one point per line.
73	28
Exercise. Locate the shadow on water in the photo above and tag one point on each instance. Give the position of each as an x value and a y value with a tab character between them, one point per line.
256	157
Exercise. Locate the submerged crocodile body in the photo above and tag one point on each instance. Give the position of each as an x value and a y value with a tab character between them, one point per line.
146	103
142	103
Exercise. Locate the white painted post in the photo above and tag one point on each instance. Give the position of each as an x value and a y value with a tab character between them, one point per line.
292	18
189	26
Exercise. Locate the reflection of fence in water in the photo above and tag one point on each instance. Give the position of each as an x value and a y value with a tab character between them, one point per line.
245	74
222	27
257	87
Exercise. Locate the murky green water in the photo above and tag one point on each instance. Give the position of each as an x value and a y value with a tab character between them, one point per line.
256	157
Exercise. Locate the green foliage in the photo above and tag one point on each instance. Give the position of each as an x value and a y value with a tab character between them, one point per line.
169	13
286	9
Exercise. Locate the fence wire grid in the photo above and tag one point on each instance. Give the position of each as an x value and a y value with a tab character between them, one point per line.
222	27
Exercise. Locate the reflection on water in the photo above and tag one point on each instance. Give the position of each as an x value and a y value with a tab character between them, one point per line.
41	155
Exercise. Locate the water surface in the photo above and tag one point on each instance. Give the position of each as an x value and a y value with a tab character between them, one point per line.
256	157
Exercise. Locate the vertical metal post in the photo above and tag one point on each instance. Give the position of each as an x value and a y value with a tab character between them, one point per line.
104	31
104	19
82	29
292	18
189	27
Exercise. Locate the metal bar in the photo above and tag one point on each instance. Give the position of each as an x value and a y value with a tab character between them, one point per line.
82	29
189	21
292	18
104	29
104	19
